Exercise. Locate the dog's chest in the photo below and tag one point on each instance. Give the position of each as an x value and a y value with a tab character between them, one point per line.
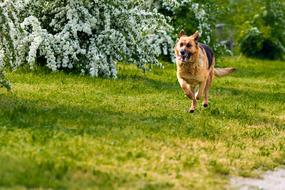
192	74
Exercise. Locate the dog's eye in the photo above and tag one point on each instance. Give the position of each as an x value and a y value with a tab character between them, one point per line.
189	45
181	44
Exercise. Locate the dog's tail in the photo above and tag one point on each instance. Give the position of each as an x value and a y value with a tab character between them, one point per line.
220	72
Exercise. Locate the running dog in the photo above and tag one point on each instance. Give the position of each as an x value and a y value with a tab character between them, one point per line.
195	68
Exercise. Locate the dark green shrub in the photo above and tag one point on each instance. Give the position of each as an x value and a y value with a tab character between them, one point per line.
251	44
265	38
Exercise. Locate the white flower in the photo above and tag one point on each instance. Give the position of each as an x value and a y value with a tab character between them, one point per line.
90	37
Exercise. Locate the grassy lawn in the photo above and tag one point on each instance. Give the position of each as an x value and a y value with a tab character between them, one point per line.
60	131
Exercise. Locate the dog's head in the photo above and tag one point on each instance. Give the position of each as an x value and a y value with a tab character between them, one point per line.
187	46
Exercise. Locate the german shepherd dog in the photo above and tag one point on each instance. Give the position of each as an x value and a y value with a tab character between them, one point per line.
195	68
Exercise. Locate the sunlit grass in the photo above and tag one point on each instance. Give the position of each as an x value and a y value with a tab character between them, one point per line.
62	131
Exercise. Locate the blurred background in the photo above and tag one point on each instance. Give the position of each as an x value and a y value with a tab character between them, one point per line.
255	28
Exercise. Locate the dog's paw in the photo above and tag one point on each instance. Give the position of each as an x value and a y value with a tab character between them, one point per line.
198	96
191	110
205	103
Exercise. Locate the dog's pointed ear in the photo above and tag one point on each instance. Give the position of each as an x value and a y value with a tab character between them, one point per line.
181	33
196	36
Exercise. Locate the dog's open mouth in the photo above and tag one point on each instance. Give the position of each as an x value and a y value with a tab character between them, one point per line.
183	58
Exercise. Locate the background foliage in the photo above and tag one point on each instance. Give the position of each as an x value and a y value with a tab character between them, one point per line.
258	29
265	36
91	36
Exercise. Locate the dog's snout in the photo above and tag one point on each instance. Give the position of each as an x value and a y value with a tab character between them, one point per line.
182	52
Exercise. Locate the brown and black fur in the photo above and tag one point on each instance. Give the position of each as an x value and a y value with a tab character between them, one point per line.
195	68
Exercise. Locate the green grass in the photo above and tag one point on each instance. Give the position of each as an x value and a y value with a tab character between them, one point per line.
60	131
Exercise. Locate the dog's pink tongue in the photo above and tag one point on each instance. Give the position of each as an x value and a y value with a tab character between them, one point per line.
180	58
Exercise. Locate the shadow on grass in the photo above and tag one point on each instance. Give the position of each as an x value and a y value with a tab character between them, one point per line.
142	82
100	121
104	121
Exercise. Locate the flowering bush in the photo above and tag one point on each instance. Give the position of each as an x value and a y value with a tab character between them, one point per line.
10	39
87	36
91	36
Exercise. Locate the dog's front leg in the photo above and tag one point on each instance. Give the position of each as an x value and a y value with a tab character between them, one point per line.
186	89
189	92
194	100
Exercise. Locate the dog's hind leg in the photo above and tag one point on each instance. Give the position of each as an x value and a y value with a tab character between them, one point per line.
201	90
207	87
